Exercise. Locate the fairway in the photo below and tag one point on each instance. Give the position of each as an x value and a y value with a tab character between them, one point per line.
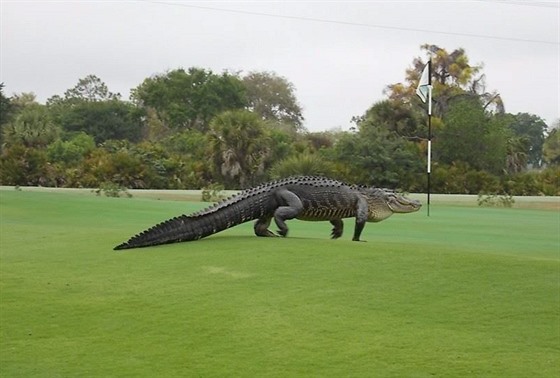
466	292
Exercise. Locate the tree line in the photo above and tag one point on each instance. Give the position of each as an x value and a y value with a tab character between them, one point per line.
193	128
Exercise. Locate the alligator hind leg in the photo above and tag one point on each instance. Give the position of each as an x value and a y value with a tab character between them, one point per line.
261	227
337	229
292	208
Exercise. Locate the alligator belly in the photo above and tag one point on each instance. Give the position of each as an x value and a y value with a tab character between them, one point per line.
325	214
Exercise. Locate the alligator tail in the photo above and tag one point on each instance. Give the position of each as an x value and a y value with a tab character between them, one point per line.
232	212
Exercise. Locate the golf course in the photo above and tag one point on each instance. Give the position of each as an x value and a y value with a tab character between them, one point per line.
469	291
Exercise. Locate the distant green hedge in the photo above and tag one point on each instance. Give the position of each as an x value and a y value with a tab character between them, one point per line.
461	179
151	166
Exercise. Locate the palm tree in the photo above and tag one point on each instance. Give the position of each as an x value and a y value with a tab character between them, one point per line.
31	128
240	144
516	159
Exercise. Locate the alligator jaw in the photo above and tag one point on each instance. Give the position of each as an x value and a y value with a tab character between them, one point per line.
400	204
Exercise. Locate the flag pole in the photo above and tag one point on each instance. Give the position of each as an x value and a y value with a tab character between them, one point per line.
424	91
429	168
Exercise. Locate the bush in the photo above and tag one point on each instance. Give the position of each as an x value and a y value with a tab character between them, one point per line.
70	152
534	183
110	189
549	181
460	178
494	200
26	166
303	164
213	193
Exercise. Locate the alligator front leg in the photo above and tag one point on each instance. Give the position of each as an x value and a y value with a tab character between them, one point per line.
358	230
361	218
261	227
292	208
337	229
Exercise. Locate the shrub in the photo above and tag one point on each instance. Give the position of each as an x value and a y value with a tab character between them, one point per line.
26	166
213	193
72	151
111	189
534	183
303	164
549	181
460	178
494	200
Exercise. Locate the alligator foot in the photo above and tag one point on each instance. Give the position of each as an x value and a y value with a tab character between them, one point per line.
337	229
283	233
268	234
261	227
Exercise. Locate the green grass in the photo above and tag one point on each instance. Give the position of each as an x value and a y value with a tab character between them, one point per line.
467	292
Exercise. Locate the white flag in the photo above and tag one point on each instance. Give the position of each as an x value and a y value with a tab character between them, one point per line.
424	83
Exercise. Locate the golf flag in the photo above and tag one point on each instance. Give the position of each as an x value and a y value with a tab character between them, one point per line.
424	83
424	91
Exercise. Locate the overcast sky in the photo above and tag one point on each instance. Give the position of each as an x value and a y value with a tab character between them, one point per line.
339	55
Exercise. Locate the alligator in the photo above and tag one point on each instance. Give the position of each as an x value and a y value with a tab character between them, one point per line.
303	197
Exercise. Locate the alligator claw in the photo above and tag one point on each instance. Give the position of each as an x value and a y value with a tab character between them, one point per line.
283	233
335	235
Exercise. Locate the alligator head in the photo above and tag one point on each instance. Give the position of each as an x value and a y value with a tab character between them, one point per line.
383	203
